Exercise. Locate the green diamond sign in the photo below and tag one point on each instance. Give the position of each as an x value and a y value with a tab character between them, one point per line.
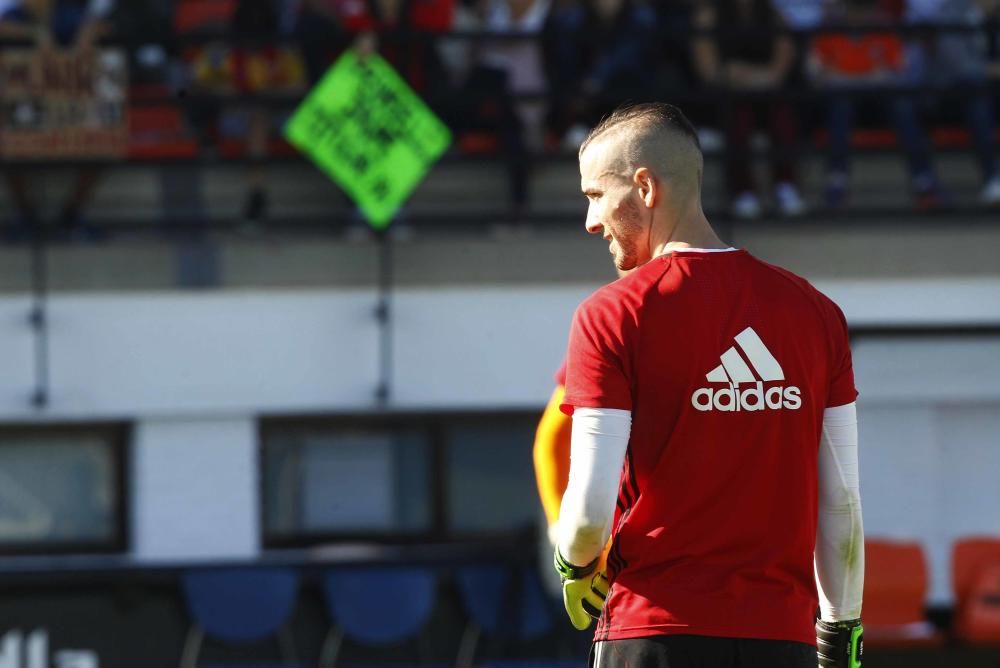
370	133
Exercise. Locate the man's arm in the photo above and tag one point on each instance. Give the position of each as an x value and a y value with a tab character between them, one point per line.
599	440
598	396
551	457
704	50
840	541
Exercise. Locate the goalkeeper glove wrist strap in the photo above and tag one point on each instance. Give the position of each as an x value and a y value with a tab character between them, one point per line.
840	644
568	571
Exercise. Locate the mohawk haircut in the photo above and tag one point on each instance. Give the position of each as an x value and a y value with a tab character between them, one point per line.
654	116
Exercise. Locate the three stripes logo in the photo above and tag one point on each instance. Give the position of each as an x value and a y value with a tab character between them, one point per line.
737	373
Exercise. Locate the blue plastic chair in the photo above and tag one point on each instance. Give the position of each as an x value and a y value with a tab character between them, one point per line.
239	606
375	606
498	608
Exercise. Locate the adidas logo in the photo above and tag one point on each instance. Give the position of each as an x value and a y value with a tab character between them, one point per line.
735	372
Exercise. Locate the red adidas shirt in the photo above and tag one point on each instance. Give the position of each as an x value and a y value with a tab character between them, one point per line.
727	364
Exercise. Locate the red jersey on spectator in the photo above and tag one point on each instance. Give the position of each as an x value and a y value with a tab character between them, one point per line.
727	364
858	55
356	15
400	43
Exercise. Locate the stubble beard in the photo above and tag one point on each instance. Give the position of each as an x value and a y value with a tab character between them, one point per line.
630	231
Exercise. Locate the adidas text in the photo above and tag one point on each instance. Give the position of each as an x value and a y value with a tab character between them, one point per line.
754	398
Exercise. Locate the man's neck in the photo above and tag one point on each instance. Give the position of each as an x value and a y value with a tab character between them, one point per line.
690	231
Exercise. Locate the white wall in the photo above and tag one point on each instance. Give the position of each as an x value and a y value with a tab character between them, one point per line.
193	371
481	348
16	356
170	354
929	413
195	489
174	354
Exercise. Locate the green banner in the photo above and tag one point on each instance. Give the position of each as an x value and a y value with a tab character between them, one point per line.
370	133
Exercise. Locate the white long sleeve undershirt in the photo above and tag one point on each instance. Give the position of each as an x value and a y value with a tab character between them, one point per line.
597	453
840	534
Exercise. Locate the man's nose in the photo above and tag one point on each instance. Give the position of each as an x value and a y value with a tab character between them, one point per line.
593	226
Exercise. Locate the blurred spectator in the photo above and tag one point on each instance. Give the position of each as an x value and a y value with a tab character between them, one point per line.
519	57
597	55
475	96
843	62
144	27
991	18
252	62
320	34
800	14
958	60
394	29
75	24
256	29
674	21
801	17
67	23
740	48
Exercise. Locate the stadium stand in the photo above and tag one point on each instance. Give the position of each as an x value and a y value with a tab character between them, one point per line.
168	126
895	594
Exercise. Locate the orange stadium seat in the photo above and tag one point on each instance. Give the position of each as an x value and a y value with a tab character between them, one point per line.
975	570
978	618
895	591
969	556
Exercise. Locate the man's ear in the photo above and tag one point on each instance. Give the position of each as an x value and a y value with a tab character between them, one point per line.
649	188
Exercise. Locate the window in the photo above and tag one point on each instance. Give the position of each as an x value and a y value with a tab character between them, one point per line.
491	478
441	477
349	480
62	489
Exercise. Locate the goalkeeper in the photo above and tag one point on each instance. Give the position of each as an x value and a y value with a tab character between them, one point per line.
714	434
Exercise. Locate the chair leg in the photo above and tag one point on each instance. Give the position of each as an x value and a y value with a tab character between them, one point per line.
331	647
192	647
424	648
467	646
286	645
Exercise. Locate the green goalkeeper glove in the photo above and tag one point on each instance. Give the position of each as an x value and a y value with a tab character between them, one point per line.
840	644
584	589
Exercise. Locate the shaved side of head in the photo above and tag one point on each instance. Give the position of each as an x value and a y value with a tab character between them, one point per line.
654	135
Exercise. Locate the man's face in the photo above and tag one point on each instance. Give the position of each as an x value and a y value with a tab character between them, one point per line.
614	211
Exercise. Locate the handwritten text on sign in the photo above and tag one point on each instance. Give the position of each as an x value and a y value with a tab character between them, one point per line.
63	104
370	133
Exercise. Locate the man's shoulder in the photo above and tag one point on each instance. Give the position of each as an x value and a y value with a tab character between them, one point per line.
800	283
605	303
805	288
626	293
